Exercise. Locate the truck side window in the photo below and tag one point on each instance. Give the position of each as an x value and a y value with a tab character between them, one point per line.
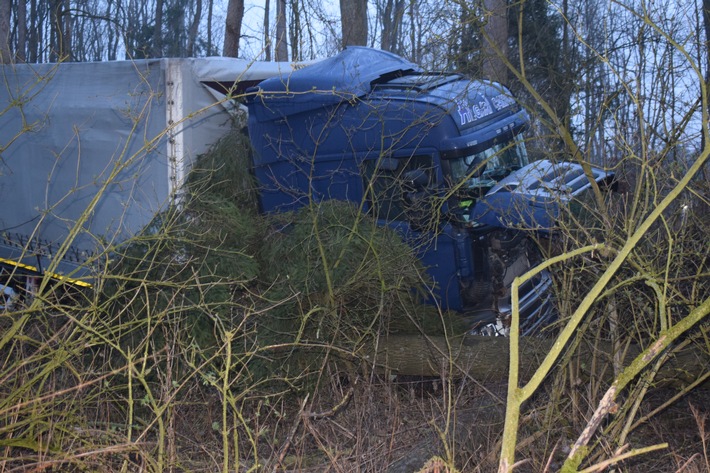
388	191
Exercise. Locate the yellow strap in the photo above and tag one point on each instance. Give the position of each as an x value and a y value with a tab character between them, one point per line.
77	282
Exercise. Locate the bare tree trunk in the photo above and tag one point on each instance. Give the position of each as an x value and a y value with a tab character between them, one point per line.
391	16
295	31
33	38
706	23
487	358
495	47
232	32
414	37
267	31
157	50
131	26
84	46
110	32
113	45
353	19
281	49
5	53
192	34
67	26
567	67
55	30
20	53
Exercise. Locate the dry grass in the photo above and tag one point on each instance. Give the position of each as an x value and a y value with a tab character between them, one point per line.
211	348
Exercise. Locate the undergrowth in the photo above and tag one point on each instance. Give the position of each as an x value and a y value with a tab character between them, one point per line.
224	340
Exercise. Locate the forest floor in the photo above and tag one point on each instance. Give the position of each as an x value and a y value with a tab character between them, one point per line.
398	425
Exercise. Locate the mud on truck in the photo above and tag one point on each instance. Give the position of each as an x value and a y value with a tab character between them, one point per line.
436	156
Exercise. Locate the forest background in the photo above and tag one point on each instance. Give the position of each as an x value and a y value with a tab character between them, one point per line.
575	54
168	368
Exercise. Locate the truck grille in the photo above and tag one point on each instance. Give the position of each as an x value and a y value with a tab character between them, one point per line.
511	255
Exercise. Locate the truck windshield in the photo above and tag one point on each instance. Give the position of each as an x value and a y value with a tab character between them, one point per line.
487	167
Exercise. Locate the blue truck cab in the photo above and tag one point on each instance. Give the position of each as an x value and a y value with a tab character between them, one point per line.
437	156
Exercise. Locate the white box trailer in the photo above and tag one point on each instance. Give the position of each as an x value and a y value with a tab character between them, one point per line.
91	152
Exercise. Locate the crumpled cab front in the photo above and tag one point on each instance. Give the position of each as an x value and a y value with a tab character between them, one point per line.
534	196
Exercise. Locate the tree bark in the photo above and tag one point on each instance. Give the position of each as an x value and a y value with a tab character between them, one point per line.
157	50
21	31
495	46
267	31
295	30
194	26
353	19
110	31
33	39
232	32
281	49
5	52
55	30
391	15
486	358
706	24
210	7
68	31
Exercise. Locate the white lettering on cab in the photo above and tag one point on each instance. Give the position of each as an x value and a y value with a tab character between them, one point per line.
469	113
